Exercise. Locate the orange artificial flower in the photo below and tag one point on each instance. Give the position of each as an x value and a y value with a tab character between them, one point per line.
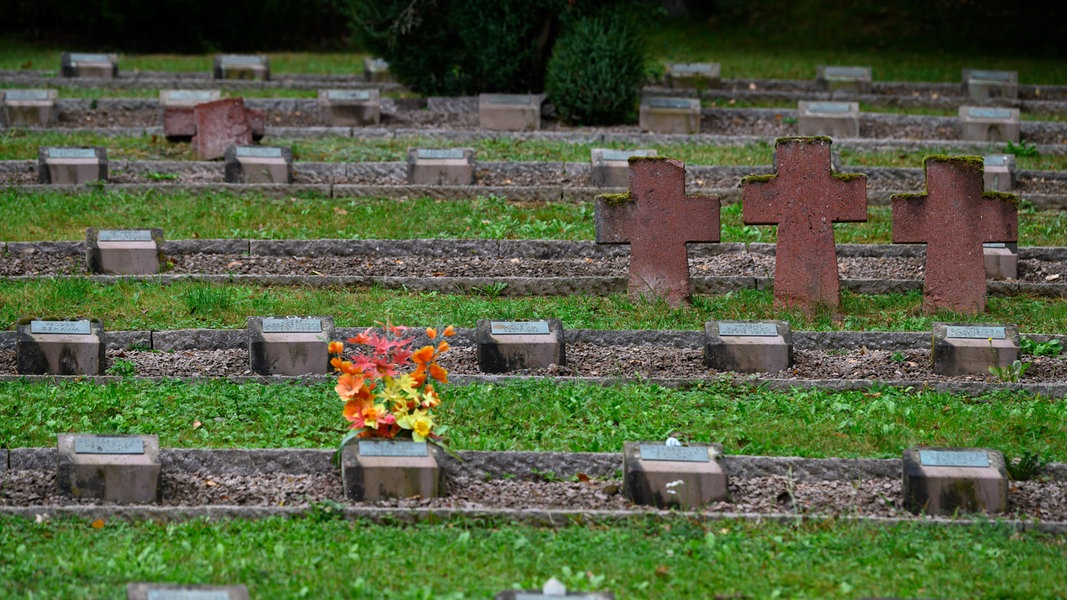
335	362
449	331
349	386
349	368
336	348
418	376
423	355
443	347
431	332
438	373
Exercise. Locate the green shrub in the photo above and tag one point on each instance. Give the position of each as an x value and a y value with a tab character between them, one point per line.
595	74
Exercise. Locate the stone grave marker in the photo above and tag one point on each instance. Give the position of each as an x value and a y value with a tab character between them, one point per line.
673	476
350	108
843	80
509	112
60	347
657	218
954	218
71	166
611	168
123	469
946	481
223	123
999	172
79	64
179	121
378	469
748	346
670	115
187	98
836	119
504	346
28	108
440	166
805	198
242	66
968	349
552	590
989	124
982	85
259	164
376	70
124	251
169	591
1001	260
289	345
693	75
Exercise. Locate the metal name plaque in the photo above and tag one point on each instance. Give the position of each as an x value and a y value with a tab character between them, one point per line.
507	99
518	327
71	153
748	329
673	453
996	160
439	154
669	103
60	327
294	325
994	245
90	58
989	113
953	458
379	64
845	73
190	96
350	95
393	448
829	107
623	155
691	67
124	235
257	152
241	59
108	445
187	595
997	76
25	95
975	332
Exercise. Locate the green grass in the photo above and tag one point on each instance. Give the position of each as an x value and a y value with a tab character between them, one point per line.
880	422
186	304
327	558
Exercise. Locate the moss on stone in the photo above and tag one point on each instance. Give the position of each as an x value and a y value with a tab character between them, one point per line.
757	178
634	159
813	139
1002	196
909	196
848	176
974	162
615	199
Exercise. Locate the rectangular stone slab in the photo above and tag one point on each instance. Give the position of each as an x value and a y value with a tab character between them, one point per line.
504	346
71	166
694	75
983	85
373	475
376	70
124	251
349	108
289	345
509	112
259	164
440	166
748	346
81	64
946	481
843	80
60	347
688	477
164	591
989	124
669	115
611	168
187	98
242	66
965	349
835	119
28	108
999	172
108	467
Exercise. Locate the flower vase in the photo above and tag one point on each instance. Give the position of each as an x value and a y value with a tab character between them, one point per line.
377	469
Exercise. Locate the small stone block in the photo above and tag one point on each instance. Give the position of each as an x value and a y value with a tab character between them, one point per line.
167	591
53	347
440	166
504	346
123	469
71	166
77	64
179	116
748	346
694	75
509	112
124	251
982	85
670	115
259	164
611	168
999	172
376	70
224	123
843	80
989	124
350	108
28	108
187	98
835	119
684	477
289	345
378	469
242	66
945	481
1001	261
964	349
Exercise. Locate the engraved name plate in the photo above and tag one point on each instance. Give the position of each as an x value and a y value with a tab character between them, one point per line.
294	325
124	235
953	458
71	153
349	95
241	59
507	99
829	107
989	113
188	595
108	445
623	155
25	95
748	329
669	103
997	76
518	327
845	73
691	67
90	58
439	154
673	453
974	332
994	245
995	160
257	152
379	64
392	448
60	327
189	96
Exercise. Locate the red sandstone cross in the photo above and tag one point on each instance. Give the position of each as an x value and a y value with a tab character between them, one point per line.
954	218
805	198
657	219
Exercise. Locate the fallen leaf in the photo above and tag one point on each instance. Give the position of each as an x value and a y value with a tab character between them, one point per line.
582	477
340	211
98	524
210	483
663	571
197	424
1053	277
